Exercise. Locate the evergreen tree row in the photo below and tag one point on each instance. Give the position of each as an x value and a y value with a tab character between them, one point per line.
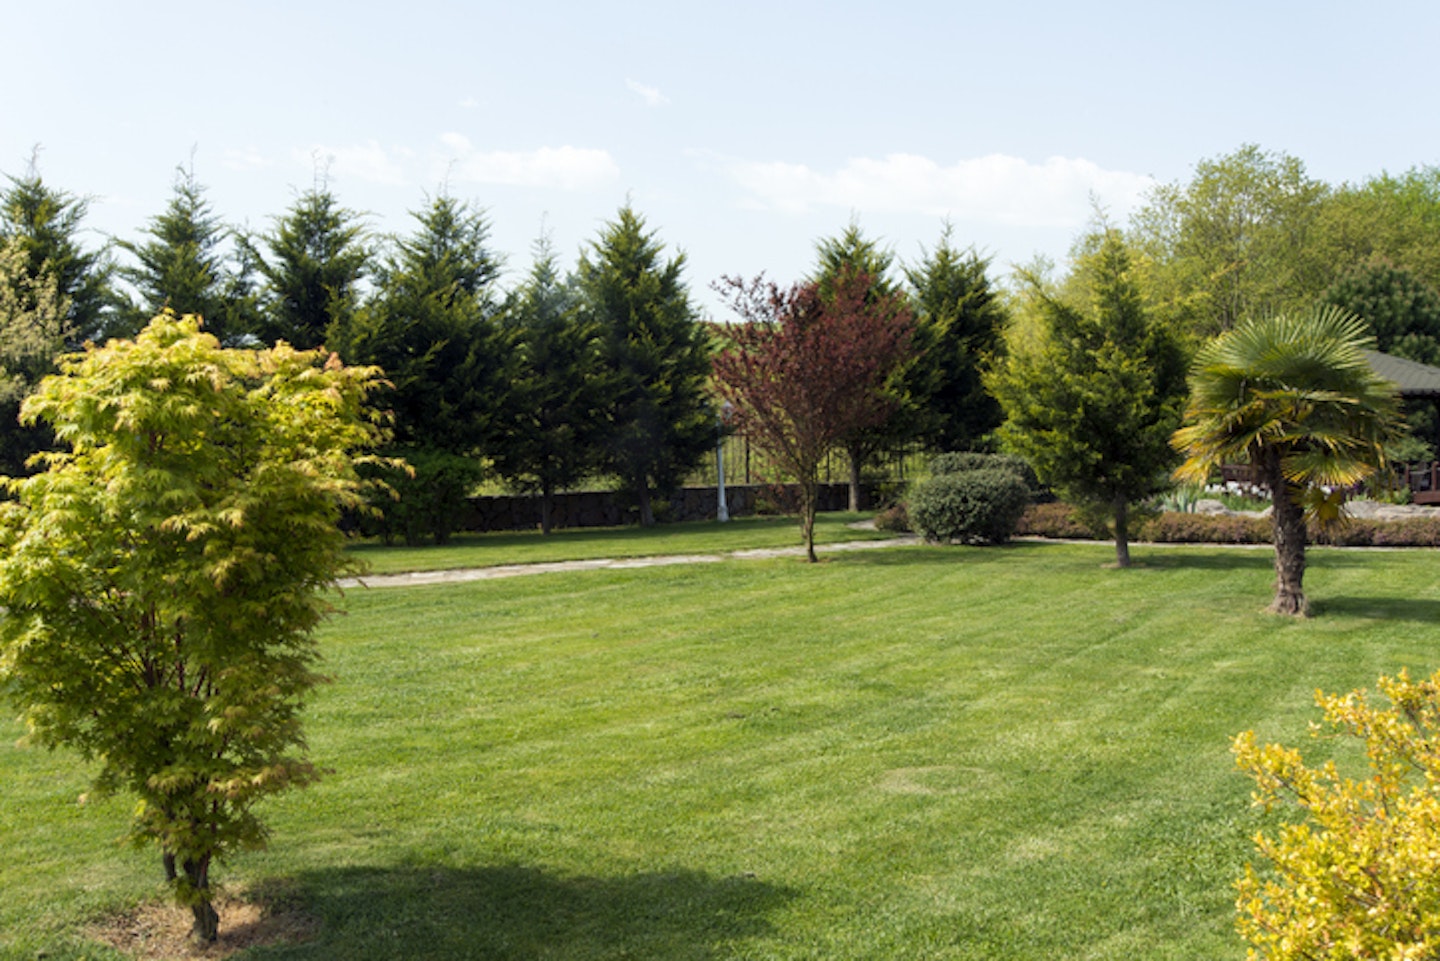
602	371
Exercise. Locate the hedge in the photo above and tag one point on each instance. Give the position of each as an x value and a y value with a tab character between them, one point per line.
1060	520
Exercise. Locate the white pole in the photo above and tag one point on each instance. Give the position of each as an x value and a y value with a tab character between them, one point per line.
722	509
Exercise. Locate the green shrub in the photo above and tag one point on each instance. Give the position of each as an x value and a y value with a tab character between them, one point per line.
1059	520
973	507
431	503
959	462
1175	528
894	518
1369	532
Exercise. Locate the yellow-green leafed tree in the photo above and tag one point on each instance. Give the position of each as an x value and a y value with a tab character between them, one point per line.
162	578
1359	878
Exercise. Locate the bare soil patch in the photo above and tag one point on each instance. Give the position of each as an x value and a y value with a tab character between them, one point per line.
160	930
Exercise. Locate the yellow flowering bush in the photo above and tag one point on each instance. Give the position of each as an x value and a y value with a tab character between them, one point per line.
1359	878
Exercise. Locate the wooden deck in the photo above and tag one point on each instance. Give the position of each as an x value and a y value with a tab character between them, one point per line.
1424	483
1422	479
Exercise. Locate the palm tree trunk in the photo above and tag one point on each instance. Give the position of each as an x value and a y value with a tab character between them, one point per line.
1288	524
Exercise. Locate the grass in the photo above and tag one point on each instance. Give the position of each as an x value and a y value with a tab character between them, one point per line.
920	752
588	543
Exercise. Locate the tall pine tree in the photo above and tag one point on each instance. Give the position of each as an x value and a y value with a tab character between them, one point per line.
47	223
554	425
184	266
431	328
314	261
960	321
1092	400
661	420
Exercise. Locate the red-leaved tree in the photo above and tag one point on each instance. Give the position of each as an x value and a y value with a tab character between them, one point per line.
802	371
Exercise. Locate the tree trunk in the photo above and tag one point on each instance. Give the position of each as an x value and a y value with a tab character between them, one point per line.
809	498
206	928
642	490
1122	532
1288	524
547	498
854	457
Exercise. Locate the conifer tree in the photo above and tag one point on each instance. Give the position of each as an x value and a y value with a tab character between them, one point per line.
959	322
33	331
1092	401
47	222
661	420
551	435
431	328
313	263
183	266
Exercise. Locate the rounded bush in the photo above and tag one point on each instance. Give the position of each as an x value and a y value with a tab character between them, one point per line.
959	462
973	507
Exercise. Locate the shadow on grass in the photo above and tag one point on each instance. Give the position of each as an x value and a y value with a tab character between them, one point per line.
1172	558
524	913
1419	610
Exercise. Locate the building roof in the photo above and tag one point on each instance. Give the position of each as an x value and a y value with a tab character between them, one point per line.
1414	379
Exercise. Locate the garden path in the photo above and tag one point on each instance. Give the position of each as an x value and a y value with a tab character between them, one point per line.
419	578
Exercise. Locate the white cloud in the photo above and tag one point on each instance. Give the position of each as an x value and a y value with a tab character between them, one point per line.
651	95
568	168
369	162
995	188
469	103
245	158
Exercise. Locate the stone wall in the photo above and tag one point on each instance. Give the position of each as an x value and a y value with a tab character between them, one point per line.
615	508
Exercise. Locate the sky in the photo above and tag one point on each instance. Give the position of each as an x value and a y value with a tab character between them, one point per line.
743	132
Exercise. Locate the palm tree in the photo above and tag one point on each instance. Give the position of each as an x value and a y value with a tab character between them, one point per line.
1293	396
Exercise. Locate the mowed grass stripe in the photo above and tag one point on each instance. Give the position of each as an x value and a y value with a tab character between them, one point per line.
920	752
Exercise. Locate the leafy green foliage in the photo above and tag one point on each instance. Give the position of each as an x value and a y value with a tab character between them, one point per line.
652	342
956	462
160	580
1092	397
1294	397
183	267
959	323
425	495
431	328
47	223
1391	217
318	254
552	429
1356	878
33	331
853	252
973	506
1402	311
1231	242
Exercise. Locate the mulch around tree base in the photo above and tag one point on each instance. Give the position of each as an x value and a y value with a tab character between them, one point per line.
160	930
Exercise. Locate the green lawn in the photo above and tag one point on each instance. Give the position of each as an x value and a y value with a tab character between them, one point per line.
588	543
918	752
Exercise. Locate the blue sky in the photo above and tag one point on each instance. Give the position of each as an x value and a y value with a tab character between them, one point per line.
742	131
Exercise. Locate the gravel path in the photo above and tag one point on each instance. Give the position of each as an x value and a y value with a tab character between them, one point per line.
420	578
